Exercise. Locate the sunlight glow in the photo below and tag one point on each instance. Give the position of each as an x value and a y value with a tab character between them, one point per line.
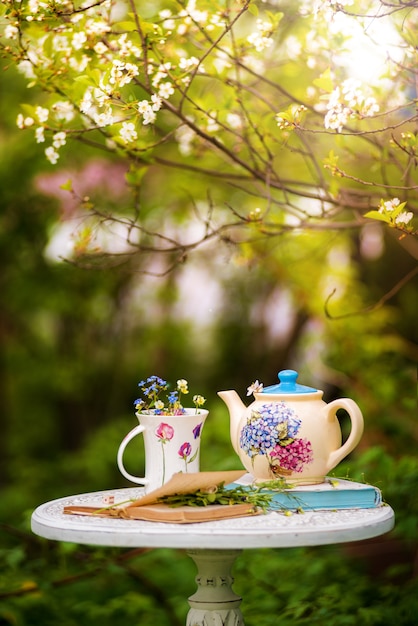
371	48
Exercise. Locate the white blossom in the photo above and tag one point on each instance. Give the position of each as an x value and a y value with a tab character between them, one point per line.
42	114
216	21
40	134
75	18
234	120
52	155
96	27
156	102
100	48
87	102
101	96
352	93
26	68
389	205
78	40
182	28
24	122
148	110
261	39
116	71
404	217
149	116
259	42
127	48
221	61
336	118
61	44
128	132
329	8
282	123
79	65
185	136
255	64
168	22
59	139
161	74
143	106
370	107
33	6
293	46
188	63
105	118
191	14
212	125
348	102
63	110
165	90
11	32
131	70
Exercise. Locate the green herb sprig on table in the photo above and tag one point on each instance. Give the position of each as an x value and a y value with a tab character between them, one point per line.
280	485
219	495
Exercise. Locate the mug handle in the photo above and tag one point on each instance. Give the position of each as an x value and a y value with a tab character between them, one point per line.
133	433
357	427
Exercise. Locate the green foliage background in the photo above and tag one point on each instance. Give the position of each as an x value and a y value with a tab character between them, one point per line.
74	345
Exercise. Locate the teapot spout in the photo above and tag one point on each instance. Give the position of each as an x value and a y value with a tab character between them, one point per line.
236	409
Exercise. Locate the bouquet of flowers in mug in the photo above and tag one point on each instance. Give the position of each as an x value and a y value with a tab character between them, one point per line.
153	403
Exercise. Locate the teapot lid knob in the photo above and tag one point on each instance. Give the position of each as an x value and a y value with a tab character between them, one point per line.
288	384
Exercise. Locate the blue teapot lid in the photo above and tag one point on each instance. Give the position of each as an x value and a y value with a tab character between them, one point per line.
288	384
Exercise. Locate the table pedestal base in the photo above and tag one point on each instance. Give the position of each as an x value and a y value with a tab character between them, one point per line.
214	603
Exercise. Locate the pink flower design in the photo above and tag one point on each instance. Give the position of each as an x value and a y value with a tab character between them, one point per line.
294	455
185	450
165	432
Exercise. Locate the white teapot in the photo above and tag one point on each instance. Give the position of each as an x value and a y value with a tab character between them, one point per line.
290	432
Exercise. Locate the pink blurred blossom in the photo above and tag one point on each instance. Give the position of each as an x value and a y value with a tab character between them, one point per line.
98	177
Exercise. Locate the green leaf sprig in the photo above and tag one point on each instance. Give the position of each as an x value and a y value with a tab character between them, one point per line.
220	495
278	484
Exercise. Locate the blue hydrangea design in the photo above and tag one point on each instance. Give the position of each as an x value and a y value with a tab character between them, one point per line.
266	427
272	431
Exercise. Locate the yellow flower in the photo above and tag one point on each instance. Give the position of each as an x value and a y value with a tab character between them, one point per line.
182	386
199	400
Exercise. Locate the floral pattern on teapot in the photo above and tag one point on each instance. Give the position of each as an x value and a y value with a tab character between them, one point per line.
272	431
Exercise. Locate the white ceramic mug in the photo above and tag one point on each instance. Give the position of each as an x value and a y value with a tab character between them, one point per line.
172	444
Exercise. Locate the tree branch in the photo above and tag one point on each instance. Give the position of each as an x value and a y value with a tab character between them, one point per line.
372	307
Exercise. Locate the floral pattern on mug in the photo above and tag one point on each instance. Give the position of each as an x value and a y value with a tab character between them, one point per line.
272	431
164	432
197	429
185	451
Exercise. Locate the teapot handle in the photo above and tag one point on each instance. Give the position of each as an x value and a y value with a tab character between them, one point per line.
357	427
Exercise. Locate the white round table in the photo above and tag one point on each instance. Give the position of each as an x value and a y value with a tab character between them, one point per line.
212	545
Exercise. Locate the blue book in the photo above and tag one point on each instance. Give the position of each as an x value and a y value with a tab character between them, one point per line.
334	493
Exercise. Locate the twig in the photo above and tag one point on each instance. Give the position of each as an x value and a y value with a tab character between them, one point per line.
372	307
